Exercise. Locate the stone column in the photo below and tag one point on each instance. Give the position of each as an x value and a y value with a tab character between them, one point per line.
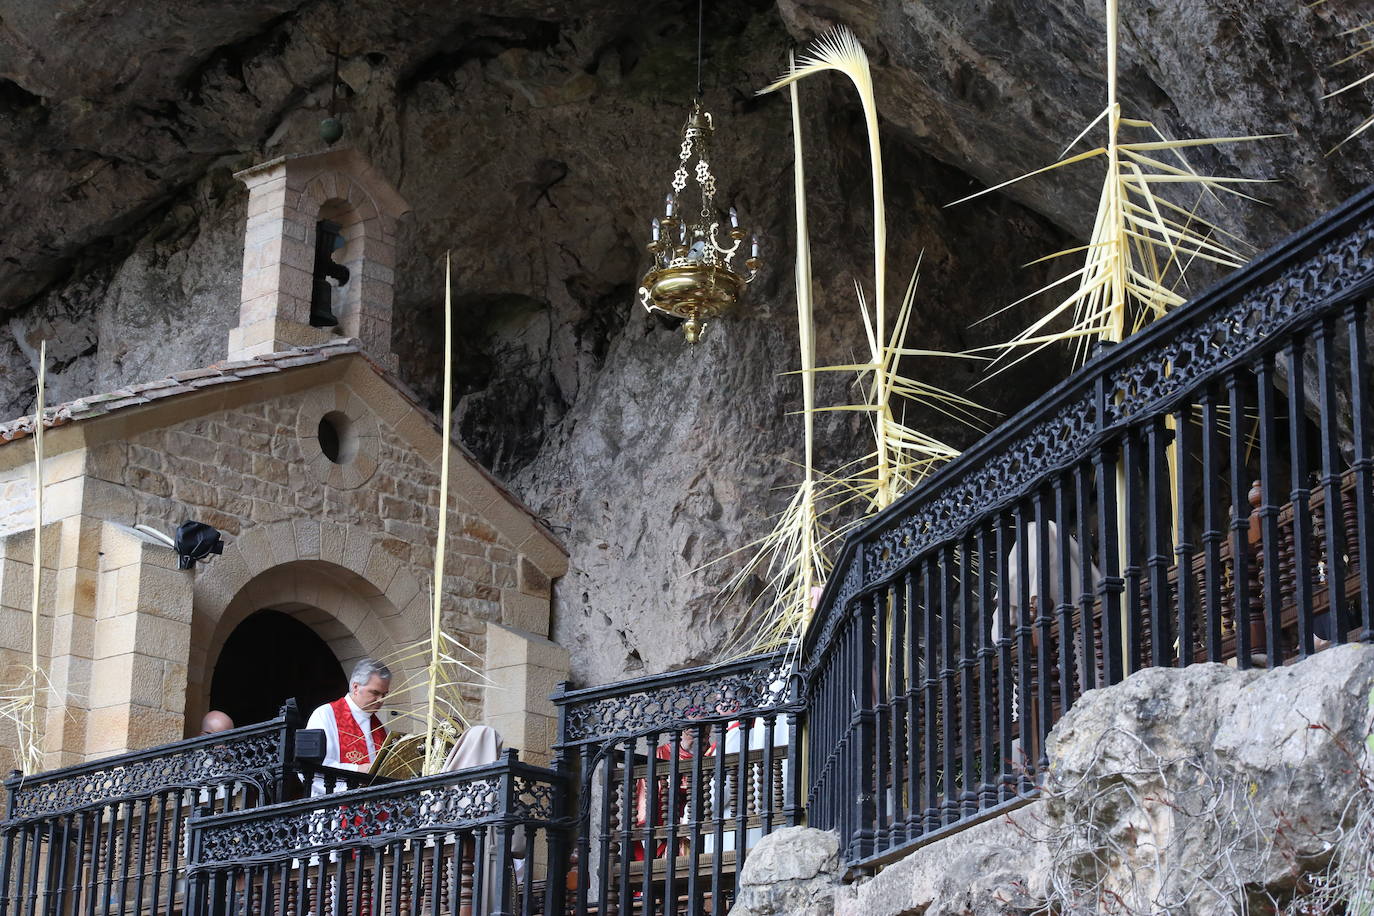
73	628
142	641
16	633
524	670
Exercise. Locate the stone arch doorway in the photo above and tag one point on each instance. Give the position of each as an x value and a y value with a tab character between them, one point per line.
348	610
268	658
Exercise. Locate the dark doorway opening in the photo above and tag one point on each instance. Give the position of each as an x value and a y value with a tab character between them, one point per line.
268	658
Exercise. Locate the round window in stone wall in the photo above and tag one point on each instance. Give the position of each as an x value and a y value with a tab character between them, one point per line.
338	436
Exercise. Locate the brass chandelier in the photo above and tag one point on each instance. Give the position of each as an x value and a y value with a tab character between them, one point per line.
694	275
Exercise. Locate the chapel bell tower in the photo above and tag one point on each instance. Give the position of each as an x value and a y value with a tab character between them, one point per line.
319	255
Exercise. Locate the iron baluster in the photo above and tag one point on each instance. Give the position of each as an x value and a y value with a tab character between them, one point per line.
1270	562
1158	513
1330	480
1240	522
1300	495
1213	532
1363	464
967	661
949	711
1185	593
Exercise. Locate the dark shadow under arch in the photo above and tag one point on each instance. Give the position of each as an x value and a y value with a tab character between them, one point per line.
269	657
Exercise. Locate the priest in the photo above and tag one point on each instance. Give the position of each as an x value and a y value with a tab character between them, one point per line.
353	732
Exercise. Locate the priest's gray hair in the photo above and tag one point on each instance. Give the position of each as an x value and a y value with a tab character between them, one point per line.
365	669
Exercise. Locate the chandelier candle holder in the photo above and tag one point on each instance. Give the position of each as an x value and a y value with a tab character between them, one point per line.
693	276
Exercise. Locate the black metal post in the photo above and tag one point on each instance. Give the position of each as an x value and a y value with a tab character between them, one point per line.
1213	530
501	903
1240	521
1363	465
1158	512
1300	494
1111	585
1333	504
1269	511
1183	530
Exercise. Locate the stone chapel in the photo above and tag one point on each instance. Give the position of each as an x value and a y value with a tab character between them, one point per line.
321	471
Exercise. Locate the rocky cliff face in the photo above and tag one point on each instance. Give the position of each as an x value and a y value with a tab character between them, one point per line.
535	142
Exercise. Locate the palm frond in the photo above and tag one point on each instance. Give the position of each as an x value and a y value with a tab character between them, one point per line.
793	552
19	703
903	455
792	559
840	51
444	713
1363	35
1142	243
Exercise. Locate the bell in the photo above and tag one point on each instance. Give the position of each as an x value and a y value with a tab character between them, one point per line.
331	129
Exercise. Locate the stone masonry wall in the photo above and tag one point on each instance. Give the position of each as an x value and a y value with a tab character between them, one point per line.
240	468
16	500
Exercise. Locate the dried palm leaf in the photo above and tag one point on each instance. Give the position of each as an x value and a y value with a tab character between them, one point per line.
445	713
902	456
1363	36
1142	243
792	559
19	701
440	673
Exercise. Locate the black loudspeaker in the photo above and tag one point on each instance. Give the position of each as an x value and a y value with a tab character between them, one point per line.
310	745
195	541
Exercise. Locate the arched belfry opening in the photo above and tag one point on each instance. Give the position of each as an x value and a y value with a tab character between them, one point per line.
319	255
268	658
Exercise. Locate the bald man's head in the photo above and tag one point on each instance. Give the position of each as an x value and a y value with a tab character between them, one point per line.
215	721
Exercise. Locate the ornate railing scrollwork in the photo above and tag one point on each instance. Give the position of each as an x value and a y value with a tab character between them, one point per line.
668	701
446	803
250	755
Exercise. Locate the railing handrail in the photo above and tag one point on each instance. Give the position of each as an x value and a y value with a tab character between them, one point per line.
502	772
657	716
1291	253
570	696
392	787
158	750
89	774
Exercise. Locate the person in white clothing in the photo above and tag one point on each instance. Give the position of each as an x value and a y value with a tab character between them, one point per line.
353	732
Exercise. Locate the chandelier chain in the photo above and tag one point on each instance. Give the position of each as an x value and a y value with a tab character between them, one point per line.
701	42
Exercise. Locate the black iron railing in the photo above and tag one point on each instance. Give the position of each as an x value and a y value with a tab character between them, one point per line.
678	776
111	836
483	840
1201	492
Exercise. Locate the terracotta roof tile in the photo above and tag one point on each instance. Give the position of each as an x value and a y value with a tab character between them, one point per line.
153	394
221	373
130	401
209	380
190	374
116	395
228	371
155	385
229	365
301	359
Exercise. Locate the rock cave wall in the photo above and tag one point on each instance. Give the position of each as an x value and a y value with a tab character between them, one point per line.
535	142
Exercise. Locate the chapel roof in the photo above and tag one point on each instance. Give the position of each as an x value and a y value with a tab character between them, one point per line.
231	371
